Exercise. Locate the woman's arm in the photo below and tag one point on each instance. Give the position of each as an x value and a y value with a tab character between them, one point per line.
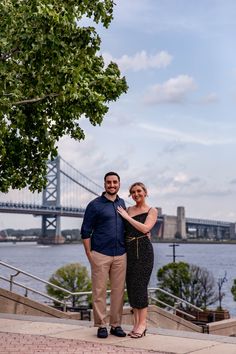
149	222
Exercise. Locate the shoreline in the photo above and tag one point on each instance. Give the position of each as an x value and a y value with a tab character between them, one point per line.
190	242
185	242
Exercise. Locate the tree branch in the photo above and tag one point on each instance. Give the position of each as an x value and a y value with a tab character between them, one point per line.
5	56
34	100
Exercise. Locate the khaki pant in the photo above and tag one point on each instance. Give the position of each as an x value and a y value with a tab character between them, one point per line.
103	268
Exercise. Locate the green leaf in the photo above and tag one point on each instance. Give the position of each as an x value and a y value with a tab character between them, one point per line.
50	76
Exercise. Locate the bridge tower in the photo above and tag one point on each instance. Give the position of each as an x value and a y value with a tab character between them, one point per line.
181	222
51	224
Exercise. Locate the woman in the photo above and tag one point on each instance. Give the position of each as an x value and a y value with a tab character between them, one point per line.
139	220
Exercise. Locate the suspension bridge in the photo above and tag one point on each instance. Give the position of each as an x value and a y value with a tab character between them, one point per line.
66	188
67	193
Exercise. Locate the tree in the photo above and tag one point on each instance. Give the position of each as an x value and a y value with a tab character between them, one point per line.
233	290
50	76
220	283
187	281
73	277
202	287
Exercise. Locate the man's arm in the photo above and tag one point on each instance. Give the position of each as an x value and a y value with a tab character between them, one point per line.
86	243
87	228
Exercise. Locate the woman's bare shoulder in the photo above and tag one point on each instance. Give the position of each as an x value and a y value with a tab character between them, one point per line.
153	211
130	210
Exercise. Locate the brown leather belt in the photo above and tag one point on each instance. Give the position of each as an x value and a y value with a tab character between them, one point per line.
130	239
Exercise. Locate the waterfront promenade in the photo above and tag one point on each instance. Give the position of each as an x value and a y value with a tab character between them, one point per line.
44	335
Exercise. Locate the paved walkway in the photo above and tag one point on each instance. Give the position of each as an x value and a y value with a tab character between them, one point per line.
44	335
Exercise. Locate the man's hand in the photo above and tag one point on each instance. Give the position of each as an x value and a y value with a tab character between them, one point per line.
86	243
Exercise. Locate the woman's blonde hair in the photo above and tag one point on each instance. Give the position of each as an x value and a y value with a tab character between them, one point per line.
140	184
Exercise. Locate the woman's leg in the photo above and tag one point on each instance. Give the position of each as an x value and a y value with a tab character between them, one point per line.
143	318
136	320
141	324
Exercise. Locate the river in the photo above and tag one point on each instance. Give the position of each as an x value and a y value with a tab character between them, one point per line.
43	261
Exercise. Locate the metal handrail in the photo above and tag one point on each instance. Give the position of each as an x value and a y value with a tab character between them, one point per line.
81	293
19	271
173	308
33	290
176	298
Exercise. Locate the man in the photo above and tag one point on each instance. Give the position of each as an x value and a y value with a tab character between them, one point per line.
102	233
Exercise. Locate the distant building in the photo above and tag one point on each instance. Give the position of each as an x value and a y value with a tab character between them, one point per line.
179	227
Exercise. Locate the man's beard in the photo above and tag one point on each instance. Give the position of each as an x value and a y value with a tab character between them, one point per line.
111	193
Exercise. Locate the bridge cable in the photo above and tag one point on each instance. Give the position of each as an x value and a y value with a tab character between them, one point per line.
80	184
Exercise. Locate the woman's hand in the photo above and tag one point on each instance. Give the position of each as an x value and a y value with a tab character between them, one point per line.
123	212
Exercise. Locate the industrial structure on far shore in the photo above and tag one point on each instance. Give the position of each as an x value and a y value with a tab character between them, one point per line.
180	227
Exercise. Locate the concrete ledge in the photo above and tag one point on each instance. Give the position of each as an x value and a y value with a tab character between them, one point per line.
223	328
158	317
13	303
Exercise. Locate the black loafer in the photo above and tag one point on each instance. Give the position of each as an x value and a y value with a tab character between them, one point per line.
102	332
117	331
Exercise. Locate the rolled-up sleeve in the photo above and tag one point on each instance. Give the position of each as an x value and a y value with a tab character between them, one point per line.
88	221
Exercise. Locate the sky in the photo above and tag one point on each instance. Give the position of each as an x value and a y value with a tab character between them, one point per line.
175	128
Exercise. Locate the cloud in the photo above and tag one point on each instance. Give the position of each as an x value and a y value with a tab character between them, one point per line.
183	137
174	90
173	147
83	155
182	185
210	98
140	61
181	177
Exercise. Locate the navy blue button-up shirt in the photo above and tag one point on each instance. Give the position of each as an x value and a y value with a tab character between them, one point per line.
103	224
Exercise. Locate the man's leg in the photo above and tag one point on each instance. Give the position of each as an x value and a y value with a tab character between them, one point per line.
100	268
117	280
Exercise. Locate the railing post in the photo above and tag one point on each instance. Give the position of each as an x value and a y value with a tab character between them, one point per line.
12	280
64	305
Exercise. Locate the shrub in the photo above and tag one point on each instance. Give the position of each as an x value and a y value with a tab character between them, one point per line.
73	277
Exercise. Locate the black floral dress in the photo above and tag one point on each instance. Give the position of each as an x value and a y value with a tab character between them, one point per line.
140	259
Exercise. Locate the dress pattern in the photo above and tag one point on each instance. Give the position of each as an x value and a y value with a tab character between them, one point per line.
140	258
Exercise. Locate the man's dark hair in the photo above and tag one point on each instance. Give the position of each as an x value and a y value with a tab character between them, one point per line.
111	174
